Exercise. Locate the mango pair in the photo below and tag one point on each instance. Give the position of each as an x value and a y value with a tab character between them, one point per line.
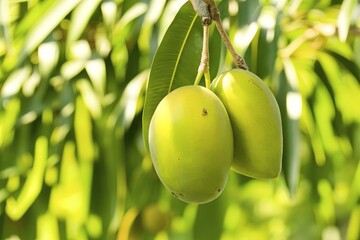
197	135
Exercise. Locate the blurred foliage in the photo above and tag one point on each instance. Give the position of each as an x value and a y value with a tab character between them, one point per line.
73	164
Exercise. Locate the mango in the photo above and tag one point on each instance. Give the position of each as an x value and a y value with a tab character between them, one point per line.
191	144
256	123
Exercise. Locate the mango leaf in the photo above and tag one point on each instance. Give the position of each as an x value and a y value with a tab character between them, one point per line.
175	63
290	125
80	19
4	25
46	25
216	52
16	208
344	20
210	217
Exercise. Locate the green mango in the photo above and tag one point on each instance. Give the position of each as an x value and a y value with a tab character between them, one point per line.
191	144
256	122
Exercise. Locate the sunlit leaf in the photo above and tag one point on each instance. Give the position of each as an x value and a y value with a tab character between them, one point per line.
8	119
345	87
125	110
4	26
176	61
216	52
83	132
15	81
250	11
47	23
134	12
16	208
353	231
209	220
96	70
345	16
153	14
91	100
48	55
323	116
290	126
85	150
109	10
315	140
47	227
66	198
80	17
326	207
355	184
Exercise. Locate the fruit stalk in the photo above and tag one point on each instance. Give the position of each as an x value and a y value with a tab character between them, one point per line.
215	16
204	62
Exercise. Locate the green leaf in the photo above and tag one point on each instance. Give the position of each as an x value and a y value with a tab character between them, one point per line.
126	109
210	218
96	70
16	208
216	52
46	25
83	132
175	63
80	19
344	86
353	231
249	12
290	125
48	55
344	19
90	98
8	120
4	26
47	227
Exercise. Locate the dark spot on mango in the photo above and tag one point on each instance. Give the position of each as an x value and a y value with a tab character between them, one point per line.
204	112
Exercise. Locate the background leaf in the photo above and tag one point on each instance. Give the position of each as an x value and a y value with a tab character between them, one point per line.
46	24
175	63
290	125
346	12
72	84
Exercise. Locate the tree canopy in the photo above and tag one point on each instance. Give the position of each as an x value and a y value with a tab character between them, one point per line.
80	80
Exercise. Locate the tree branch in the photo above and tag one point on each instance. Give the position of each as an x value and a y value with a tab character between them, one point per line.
215	16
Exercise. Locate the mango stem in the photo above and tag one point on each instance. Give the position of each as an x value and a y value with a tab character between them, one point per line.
215	16
204	62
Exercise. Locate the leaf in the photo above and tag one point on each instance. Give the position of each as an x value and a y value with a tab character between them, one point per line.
126	109
175	63
48	55
16	208
83	132
216	52
15	81
80	19
8	119
210	217
290	125
47	227
46	25
344	19
249	12
353	231
90	98
4	26
96	70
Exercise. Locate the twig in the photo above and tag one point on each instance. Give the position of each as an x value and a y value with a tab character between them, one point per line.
215	16
204	62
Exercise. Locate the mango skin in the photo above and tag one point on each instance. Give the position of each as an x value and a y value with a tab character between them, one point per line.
191	144
256	122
